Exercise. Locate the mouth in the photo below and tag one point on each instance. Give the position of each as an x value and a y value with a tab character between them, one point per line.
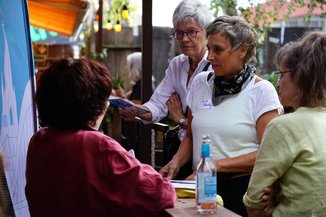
187	47
214	66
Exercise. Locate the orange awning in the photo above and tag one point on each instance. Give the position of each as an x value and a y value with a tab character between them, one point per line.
61	16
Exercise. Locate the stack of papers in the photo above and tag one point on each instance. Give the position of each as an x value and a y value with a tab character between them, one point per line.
186	184
185	188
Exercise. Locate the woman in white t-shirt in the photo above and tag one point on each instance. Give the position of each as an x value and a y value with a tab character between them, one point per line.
232	105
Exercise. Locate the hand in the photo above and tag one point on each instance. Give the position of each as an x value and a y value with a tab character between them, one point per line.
120	92
192	176
170	170
128	114
175	107
268	199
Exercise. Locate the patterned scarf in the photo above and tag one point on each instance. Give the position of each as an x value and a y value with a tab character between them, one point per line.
233	86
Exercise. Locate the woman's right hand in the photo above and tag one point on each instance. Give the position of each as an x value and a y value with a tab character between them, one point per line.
128	114
170	170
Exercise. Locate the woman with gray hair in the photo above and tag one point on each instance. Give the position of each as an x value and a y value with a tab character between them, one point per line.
189	20
134	73
230	104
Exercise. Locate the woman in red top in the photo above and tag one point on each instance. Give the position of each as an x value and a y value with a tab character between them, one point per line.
74	170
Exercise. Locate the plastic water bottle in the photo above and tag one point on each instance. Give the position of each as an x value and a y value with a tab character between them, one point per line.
206	181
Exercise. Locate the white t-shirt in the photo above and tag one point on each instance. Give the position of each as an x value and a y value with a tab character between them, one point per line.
174	81
231	124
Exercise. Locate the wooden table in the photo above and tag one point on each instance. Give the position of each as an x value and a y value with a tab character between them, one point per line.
186	208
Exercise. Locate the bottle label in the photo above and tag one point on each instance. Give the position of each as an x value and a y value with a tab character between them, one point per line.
206	188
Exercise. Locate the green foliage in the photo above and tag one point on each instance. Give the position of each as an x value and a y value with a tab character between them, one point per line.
116	8
99	56
271	77
228	7
261	17
118	82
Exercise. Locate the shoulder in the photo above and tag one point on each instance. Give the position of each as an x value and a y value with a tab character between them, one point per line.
262	88
178	60
104	141
202	77
262	83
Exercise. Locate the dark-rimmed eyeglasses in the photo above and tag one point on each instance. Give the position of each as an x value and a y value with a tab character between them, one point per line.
179	34
280	74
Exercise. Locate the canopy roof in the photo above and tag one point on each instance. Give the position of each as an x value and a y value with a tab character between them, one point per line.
61	16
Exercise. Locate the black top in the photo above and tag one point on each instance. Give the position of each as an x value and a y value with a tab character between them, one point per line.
136	91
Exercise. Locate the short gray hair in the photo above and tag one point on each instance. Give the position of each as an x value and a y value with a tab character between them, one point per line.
192	10
237	30
134	66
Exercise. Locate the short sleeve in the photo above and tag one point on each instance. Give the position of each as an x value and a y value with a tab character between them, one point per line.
266	99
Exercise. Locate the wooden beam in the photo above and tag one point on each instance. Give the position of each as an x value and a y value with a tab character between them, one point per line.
146	92
99	39
147	52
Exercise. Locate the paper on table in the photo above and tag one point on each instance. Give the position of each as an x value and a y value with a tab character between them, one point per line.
185	184
126	104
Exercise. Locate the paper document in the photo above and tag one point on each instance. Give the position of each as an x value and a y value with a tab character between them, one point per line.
185	184
126	104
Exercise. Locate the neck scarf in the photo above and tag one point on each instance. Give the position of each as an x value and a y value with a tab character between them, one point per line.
234	85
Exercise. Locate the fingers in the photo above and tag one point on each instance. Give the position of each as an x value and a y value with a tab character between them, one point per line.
267	190
163	171
171	173
191	177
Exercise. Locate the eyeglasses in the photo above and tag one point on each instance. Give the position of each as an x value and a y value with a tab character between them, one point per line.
280	74
179	34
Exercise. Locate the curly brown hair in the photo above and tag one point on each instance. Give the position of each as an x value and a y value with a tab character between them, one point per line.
72	94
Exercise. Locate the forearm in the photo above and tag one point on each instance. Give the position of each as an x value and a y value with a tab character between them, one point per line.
243	163
184	153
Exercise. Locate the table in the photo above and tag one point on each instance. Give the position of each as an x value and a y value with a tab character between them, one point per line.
185	207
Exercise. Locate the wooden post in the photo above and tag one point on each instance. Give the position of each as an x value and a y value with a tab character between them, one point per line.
99	39
147	52
146	92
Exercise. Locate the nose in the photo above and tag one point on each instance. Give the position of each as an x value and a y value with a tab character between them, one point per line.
185	37
209	56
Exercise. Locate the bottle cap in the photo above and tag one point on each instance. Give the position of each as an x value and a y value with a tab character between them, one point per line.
205	150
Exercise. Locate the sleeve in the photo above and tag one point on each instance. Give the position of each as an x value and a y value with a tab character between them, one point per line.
135	189
273	159
266	99
157	103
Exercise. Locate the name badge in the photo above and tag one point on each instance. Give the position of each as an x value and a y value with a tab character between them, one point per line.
205	104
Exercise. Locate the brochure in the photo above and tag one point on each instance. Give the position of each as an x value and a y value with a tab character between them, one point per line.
126	104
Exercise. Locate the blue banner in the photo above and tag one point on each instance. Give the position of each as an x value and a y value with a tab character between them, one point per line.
17	109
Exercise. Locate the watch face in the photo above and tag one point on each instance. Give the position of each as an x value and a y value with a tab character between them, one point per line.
182	121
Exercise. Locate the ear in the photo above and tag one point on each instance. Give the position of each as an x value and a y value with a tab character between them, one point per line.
243	50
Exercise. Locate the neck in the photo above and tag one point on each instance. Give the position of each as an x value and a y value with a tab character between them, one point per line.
194	60
99	120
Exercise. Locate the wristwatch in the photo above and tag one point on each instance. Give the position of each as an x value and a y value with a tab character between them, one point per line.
182	122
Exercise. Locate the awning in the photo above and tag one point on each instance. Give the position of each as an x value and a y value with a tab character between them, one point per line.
61	16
